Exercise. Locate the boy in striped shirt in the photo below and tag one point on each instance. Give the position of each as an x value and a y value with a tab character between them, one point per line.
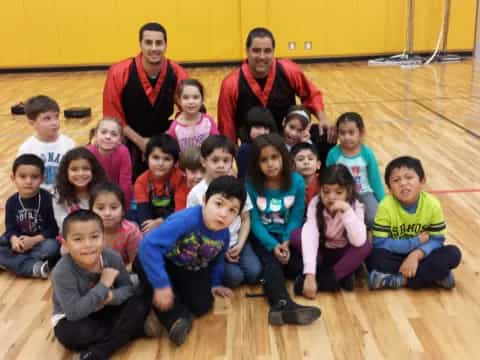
409	234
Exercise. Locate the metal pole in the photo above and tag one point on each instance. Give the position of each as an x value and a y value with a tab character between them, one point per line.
476	53
410	29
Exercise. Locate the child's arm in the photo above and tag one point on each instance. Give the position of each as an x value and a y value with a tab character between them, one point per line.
123	288
133	241
11	228
436	229
144	211
353	220
213	126
74	305
218	265
125	176
233	252
374	177
332	156
310	239
298	210
50	230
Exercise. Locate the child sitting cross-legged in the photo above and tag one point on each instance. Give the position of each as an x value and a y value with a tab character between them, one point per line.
409	234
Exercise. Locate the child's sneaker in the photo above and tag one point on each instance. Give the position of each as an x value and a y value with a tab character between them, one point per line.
84	355
180	329
152	327
379	280
41	269
446	283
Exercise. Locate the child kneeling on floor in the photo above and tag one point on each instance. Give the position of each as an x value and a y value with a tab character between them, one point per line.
181	262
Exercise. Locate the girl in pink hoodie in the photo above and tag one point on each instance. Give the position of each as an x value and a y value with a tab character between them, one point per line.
334	237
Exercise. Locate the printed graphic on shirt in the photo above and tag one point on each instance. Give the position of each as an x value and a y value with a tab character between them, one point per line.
409	230
275	211
355	170
29	221
195	251
52	162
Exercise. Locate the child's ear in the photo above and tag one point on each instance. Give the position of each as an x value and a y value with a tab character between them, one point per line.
12	176
319	164
284	121
202	161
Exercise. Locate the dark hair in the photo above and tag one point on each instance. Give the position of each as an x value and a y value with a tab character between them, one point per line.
152	27
40	104
191	82
255	174
164	142
28	159
258	116
339	175
352	117
259	32
406	162
79	216
229	187
190	159
107	187
303	146
214	142
298	112
66	190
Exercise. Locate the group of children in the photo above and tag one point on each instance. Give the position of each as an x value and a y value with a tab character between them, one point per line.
188	229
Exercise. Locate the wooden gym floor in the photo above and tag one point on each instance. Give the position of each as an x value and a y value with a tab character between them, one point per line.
432	113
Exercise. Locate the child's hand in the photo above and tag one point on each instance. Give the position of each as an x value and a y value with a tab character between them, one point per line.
409	266
16	244
310	286
108	299
282	252
149	225
424	237
222	291
163	298
340	206
28	242
108	276
233	254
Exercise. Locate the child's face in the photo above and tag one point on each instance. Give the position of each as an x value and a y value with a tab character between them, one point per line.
190	100
306	163
219	212
270	161
194	177
293	131
349	135
330	193
47	125
218	163
257	131
84	243
405	185
80	173
27	179
108	136
160	163
109	208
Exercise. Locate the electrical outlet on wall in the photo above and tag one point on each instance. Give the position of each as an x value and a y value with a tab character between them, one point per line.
307	45
292	45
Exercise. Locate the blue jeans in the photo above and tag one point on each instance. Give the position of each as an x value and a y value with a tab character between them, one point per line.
246	270
371	205
22	263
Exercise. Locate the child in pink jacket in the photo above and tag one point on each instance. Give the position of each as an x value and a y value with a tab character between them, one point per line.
334	237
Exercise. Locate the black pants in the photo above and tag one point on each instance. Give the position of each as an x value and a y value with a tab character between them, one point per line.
139	165
192	291
274	273
105	331
433	267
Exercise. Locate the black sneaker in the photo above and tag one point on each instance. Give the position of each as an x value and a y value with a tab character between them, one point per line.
292	313
180	329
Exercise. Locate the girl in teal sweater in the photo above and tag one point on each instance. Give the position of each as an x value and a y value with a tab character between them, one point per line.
278	198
